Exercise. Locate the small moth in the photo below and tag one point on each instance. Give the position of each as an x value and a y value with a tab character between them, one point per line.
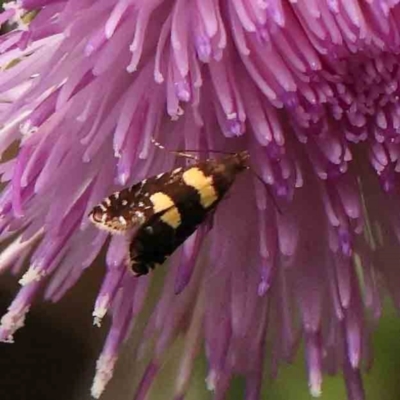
164	210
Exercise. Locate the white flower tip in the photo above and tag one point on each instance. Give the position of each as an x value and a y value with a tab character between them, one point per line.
34	274
97	388
211	380
158	77
122	179
110	28
315	391
315	384
6	334
143	154
104	372
355	359
9	339
231	115
11	322
100	309
131	68
263	287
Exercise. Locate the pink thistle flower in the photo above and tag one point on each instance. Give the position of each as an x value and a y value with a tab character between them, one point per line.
310	88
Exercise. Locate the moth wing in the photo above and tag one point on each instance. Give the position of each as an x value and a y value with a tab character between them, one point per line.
133	206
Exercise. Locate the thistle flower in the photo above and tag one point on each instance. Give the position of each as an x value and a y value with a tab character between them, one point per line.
310	88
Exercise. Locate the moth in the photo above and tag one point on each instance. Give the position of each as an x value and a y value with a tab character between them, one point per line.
164	210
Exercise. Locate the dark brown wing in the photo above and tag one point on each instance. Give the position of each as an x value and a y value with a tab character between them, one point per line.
133	206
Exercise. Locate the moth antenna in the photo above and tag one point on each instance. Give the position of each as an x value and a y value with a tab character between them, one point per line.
177	152
228	153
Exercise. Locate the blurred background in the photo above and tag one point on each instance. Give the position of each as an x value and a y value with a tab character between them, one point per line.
54	355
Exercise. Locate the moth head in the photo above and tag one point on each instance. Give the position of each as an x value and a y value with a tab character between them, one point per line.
116	214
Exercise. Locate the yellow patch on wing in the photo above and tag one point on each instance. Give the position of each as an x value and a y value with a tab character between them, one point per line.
195	178
162	202
172	217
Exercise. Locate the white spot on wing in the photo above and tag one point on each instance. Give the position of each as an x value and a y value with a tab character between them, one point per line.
138	216
176	171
